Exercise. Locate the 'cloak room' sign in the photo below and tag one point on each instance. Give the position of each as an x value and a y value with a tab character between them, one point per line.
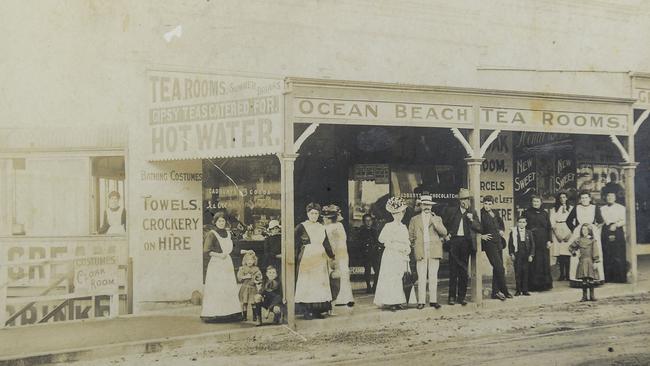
200	115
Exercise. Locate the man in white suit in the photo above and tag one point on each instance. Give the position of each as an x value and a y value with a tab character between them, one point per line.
425	233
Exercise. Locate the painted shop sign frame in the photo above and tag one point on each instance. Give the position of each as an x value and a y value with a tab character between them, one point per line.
357	103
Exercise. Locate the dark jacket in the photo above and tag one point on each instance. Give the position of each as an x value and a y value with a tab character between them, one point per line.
492	225
451	219
525	248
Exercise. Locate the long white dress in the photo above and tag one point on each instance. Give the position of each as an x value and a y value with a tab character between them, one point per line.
338	240
586	215
221	293
558	222
313	284
394	262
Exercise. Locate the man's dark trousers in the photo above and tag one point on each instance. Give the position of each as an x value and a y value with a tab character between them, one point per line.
460	249
494	254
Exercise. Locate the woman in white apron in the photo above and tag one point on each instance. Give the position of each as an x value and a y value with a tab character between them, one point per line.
338	240
561	234
395	260
114	216
221	293
585	213
313	293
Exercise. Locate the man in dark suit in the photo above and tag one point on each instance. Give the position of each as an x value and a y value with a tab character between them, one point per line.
461	222
521	247
492	243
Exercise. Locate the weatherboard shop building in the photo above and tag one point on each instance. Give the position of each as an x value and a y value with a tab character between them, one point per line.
262	148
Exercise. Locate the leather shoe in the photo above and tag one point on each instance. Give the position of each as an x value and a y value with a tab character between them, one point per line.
518	293
509	296
526	293
420	306
501	296
463	302
451	302
435	305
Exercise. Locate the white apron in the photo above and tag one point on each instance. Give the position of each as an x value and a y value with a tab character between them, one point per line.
221	292
114	219
558	221
313	284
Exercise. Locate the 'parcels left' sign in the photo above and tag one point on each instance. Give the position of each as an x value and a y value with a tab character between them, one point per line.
197	115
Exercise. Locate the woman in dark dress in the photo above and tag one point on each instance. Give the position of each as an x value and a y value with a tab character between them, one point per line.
539	223
221	293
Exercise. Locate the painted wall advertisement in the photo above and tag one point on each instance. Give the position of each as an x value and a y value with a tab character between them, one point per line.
87	267
166	223
202	115
496	177
545	164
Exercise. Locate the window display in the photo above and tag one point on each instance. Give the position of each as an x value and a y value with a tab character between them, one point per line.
247	189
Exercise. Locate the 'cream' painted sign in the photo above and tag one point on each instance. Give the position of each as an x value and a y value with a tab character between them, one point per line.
388	113
552	121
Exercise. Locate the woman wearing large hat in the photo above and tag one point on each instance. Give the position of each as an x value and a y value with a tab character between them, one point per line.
338	239
395	260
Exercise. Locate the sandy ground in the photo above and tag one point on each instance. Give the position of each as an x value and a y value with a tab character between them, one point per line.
614	331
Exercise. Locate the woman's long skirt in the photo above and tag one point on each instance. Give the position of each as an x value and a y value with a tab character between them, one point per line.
390	290
345	293
221	293
614	256
539	275
313	293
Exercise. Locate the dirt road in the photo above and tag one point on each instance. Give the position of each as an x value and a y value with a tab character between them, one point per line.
613	331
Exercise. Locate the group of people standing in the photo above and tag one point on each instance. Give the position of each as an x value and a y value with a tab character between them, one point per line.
587	240
226	300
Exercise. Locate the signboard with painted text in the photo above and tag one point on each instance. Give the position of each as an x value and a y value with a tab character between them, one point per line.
553	121
201	115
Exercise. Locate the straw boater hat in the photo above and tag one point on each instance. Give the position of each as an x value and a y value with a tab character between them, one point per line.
426	199
463	194
395	205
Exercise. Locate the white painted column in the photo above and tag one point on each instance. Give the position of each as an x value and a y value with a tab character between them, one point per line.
630	221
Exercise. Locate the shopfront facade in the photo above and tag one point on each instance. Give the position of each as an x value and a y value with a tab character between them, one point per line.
504	143
259	149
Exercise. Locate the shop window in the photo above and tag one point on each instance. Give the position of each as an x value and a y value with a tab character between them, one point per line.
366	187
52	196
247	189
109	207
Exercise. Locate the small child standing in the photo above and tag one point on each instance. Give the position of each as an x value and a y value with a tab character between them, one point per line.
250	277
521	247
589	255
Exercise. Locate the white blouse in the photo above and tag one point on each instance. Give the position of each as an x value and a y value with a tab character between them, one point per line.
614	214
395	237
